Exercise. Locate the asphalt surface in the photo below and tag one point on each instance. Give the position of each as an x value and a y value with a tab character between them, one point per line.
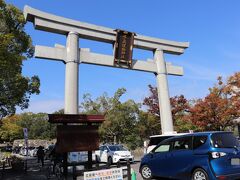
136	165
36	172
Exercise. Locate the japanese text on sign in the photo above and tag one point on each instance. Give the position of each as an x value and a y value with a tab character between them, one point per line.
124	47
108	174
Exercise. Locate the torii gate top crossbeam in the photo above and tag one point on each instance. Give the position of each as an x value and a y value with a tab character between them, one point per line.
56	24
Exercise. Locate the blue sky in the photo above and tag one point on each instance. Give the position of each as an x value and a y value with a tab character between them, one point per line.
211	27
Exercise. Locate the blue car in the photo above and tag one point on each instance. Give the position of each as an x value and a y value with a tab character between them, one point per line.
195	156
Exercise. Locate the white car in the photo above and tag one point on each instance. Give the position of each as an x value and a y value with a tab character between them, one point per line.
156	139
32	151
23	151
113	154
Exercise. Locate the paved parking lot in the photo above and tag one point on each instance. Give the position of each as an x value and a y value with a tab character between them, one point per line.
136	165
36	172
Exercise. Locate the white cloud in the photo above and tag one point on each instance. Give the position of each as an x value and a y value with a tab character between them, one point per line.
232	55
47	106
137	94
199	72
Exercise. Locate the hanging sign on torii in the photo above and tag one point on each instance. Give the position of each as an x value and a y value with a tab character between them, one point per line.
72	56
123	48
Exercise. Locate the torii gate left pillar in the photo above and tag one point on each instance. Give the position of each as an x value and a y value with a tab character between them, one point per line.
71	74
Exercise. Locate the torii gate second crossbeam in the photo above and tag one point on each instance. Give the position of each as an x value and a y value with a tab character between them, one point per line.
72	56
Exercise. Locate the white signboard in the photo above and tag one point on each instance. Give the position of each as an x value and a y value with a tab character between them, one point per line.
107	174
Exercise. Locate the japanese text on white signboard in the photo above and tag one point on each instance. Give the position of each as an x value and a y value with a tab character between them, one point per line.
108	174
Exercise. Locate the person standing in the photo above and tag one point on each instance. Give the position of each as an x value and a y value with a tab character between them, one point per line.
40	155
56	158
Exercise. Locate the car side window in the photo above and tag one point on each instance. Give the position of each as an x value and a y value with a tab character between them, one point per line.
101	148
104	148
163	148
182	143
198	141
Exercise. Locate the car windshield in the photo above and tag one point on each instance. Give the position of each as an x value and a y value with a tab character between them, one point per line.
224	140
156	140
117	148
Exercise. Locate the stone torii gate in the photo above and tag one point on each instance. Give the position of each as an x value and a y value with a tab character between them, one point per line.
72	56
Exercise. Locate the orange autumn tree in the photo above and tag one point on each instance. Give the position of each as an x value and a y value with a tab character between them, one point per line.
233	89
179	107
220	108
179	104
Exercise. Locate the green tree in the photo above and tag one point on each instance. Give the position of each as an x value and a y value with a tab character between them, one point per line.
185	124
60	111
37	125
120	125
15	47
10	130
148	124
102	104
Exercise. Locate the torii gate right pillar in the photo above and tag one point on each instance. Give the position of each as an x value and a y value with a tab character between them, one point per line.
163	93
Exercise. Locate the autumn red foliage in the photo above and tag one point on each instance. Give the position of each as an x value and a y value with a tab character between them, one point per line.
219	110
179	104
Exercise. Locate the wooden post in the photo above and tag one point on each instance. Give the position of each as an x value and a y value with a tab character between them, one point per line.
74	173
25	166
89	159
3	170
128	170
65	166
118	164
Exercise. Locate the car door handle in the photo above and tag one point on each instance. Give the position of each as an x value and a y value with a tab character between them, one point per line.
169	155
